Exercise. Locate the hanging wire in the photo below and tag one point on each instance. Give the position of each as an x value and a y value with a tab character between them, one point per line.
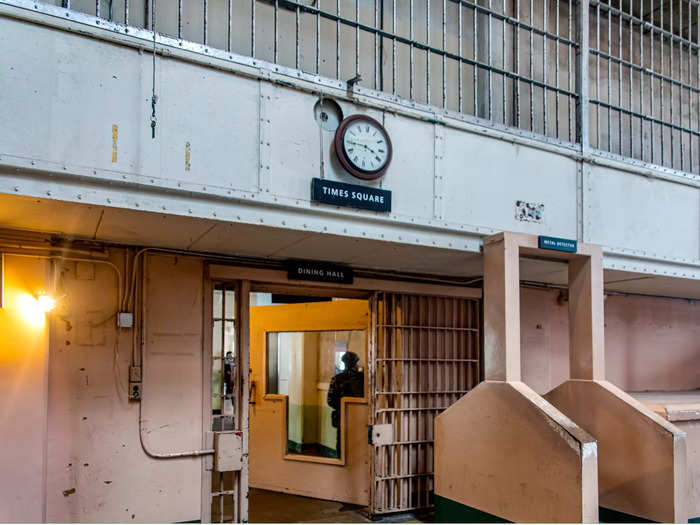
154	98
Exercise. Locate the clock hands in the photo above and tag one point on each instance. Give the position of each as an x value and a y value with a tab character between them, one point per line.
363	145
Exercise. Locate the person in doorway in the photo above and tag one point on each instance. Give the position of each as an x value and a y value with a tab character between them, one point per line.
348	383
228	374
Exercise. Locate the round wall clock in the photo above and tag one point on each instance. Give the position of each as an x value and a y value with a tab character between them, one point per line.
363	147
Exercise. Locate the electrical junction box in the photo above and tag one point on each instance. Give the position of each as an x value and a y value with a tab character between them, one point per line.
135	374
125	320
228	451
135	391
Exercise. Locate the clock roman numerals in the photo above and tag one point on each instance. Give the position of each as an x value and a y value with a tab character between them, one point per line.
364	143
363	147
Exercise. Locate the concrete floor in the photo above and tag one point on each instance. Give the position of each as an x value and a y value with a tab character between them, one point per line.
276	507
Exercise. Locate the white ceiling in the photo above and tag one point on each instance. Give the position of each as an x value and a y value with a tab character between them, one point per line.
203	235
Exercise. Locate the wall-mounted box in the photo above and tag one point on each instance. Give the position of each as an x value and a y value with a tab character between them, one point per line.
228	447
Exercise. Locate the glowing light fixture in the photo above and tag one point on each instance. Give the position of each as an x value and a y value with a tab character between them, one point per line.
46	302
28	306
2	280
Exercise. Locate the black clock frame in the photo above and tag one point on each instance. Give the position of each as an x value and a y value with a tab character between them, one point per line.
338	143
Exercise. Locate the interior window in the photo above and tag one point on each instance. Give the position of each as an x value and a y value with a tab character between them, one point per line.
315	370
223	358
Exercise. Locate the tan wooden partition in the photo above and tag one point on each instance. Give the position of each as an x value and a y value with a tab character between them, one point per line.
272	465
504	452
426	358
641	465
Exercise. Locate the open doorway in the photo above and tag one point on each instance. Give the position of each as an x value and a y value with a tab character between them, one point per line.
309	454
307	450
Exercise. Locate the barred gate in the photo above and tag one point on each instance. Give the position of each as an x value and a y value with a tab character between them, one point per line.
426	355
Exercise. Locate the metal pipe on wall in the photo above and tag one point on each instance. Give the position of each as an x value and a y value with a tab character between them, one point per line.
142	330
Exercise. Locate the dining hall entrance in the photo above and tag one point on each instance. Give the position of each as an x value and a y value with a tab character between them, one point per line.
332	389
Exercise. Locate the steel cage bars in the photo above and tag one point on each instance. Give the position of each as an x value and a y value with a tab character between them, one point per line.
521	64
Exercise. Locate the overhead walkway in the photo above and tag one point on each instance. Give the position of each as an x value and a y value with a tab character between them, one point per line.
585	451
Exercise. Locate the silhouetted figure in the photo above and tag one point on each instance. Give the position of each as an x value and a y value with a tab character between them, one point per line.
228	373
348	383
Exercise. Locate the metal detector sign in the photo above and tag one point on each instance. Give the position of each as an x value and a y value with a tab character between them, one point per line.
319	271
350	195
555	243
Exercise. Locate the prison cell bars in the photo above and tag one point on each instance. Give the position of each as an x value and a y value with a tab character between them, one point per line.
426	356
454	61
657	50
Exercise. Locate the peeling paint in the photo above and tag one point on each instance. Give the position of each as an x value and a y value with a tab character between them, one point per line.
115	132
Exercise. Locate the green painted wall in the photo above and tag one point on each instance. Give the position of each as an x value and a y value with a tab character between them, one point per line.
300	433
295	423
327	432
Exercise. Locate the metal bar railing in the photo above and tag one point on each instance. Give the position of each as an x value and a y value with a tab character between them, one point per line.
657	71
644	59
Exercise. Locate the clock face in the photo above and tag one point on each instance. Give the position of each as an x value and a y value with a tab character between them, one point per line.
363	147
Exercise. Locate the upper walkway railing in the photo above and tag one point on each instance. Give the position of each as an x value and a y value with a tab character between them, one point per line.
631	81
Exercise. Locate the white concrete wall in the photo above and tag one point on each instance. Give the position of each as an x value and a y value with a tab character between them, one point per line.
83	461
254	148
97	469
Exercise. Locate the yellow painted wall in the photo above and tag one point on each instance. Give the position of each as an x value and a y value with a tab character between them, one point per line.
268	467
23	358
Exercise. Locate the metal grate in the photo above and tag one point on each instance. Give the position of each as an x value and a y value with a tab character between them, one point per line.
426	356
508	61
224	507
517	63
645	80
